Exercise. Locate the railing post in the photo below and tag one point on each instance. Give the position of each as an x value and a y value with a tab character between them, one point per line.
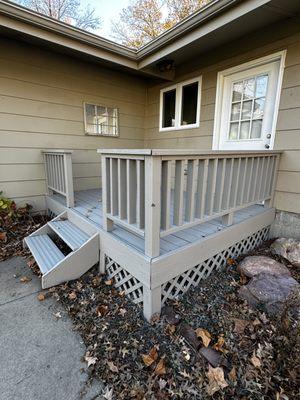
152	205
108	224
69	179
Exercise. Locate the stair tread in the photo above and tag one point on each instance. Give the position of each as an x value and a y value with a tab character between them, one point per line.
73	236
44	251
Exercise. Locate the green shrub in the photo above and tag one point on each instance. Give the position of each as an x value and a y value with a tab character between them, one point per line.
9	212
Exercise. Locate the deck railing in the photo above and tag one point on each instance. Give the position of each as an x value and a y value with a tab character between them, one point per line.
59	176
155	193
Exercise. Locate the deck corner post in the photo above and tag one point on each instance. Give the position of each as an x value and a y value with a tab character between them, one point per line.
102	263
153	165
69	179
151	301
108	224
227	219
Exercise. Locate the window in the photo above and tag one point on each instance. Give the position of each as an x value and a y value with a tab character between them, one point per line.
101	120
180	106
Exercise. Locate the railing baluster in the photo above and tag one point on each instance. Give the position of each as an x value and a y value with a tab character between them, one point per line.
213	186
220	188
236	184
204	187
122	190
114	186
190	190
131	191
166	194
140	194
250	180
178	193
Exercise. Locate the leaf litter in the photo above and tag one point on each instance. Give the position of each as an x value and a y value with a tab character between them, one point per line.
245	354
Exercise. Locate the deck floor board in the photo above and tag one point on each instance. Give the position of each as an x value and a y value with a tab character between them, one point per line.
89	205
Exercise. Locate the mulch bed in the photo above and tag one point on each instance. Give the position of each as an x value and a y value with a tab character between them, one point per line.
252	356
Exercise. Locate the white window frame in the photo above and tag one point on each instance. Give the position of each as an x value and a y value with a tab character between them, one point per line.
95	133
278	56
178	105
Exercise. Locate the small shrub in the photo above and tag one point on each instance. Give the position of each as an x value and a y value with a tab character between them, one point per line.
9	212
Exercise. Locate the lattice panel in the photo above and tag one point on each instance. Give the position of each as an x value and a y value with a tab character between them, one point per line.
124	281
181	283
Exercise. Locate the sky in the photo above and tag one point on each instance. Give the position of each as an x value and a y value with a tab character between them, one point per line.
107	10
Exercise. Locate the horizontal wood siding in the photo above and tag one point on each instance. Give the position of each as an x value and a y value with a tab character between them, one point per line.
41	106
287	196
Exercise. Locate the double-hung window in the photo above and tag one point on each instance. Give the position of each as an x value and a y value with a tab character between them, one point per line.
180	106
101	120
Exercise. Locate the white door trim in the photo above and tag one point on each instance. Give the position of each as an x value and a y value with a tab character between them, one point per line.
278	56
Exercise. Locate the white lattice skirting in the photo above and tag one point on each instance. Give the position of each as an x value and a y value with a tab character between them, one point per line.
176	287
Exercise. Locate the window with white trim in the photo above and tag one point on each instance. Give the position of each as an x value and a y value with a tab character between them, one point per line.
180	106
101	120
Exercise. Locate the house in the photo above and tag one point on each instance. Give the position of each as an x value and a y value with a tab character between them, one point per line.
198	139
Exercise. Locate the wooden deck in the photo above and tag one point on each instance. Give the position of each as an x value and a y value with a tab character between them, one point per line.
88	204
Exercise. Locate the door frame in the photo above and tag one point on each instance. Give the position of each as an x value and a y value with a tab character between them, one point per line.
278	56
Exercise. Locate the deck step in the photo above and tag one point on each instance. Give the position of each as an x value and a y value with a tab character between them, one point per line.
73	236
44	251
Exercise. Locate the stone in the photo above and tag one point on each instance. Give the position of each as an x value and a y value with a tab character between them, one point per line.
171	317
254	265
287	248
189	335
269	290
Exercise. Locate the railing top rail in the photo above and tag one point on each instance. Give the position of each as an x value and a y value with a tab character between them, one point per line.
57	151
185	152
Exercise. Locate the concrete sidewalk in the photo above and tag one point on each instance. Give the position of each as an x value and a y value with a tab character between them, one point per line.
40	355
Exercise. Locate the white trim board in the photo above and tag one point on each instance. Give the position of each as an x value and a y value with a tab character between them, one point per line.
278	56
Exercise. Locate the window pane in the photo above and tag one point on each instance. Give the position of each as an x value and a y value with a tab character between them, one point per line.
90	113
244	132
261	86
256	129
249	85
246	111
233	131
169	108
101	120
258	110
237	91
235	111
189	104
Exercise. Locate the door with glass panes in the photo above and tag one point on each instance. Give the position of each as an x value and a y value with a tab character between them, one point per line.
248	108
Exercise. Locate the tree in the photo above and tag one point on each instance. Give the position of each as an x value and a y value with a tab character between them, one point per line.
143	20
68	11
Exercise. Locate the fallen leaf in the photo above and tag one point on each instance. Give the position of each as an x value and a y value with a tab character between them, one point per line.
25	279
109	282
170	329
41	297
220	343
112	366
72	295
243	280
122	311
160	368
57	315
102	310
3	237
240	325
231	261
255	361
150	357
232	374
205	336
216	380
162	384
90	360
31	262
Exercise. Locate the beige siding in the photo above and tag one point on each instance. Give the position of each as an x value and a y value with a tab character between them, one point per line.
41	106
288	126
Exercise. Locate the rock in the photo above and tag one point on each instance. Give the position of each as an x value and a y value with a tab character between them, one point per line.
269	290
171	317
189	335
255	265
287	248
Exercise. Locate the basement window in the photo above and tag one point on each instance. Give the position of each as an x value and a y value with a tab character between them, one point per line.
180	106
101	120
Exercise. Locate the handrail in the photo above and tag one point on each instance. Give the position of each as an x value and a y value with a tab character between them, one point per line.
59	175
155	193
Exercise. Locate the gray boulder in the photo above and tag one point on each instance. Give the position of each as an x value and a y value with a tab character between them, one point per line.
254	265
269	290
287	248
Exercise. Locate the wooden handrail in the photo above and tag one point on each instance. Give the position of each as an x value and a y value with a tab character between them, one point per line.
59	175
155	193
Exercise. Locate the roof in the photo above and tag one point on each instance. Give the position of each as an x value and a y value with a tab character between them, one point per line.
212	25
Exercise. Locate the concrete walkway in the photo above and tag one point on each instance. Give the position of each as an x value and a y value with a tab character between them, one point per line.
40	355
